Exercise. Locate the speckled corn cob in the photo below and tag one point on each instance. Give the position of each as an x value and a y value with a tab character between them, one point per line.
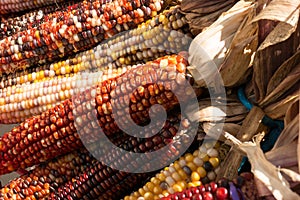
71	31
47	177
11	25
224	189
164	34
18	102
191	170
14	6
102	182
53	133
99	182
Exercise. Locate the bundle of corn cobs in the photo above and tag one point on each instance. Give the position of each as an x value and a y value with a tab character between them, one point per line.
150	99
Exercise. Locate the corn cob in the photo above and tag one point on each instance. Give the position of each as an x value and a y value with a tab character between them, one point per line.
103	178
72	31
165	34
19	102
12	25
99	182
53	133
14	6
242	187
47	177
191	170
10	104
11	98
169	26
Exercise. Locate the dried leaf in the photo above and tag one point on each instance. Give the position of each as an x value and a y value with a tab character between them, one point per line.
191	5
211	114
283	71
298	151
214	130
241	53
292	112
280	10
283	156
207	51
278	109
201	14
266	171
251	125
289	133
292	79
280	45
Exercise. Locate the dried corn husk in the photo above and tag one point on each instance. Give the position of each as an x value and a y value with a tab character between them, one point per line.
251	125
280	44
279	10
277	109
217	114
284	78
289	136
207	51
237	66
265	171
202	13
282	88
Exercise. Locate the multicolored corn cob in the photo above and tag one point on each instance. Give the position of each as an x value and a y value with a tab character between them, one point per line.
89	23
136	46
53	133
243	187
12	25
19	102
14	6
144	46
191	170
47	177
102	182
167	33
99	182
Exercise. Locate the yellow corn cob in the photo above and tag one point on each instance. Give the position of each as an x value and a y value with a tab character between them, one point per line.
190	170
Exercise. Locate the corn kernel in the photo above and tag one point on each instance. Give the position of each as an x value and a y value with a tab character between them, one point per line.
201	171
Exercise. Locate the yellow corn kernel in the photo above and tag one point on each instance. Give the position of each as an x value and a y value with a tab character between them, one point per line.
201	171
195	176
214	162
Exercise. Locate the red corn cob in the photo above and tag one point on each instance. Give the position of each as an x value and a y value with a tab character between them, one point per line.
89	23
242	187
53	133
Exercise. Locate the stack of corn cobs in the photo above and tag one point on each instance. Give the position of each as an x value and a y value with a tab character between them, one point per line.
64	65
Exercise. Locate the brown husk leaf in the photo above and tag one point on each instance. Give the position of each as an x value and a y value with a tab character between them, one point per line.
202	13
236	66
278	46
208	50
265	171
